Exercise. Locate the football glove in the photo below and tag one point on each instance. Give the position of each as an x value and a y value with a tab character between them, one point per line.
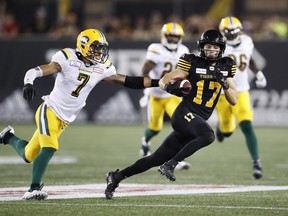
28	92
175	89
221	79
261	81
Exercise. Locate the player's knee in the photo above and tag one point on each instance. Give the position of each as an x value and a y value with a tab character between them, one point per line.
210	137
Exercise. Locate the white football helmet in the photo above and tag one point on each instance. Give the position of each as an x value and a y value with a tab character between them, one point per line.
231	28
171	35
92	45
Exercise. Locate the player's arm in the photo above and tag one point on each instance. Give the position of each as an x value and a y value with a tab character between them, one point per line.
132	82
33	73
147	67
261	81
177	73
231	94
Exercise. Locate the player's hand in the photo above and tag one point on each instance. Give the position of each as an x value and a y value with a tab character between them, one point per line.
144	100
175	90
261	81
221	79
28	92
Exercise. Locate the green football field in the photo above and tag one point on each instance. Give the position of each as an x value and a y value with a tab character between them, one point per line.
88	152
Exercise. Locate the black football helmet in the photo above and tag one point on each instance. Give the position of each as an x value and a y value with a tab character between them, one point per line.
211	37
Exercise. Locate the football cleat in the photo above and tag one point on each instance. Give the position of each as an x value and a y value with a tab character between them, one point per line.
168	171
112	184
183	165
35	194
219	135
145	148
257	169
4	132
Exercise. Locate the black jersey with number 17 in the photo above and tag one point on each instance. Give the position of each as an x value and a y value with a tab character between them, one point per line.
205	89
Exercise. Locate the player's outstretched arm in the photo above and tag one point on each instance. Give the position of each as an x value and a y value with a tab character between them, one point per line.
132	82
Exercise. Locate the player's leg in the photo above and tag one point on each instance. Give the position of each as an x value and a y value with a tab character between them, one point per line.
226	121
166	151
40	151
244	116
195	134
7	136
155	114
170	107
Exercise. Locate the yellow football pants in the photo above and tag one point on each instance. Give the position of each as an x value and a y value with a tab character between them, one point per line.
157	108
227	114
49	128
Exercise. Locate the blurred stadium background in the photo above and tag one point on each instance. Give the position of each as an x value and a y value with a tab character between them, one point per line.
32	30
107	132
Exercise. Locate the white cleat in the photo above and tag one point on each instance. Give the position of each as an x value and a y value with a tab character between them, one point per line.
35	195
4	132
183	165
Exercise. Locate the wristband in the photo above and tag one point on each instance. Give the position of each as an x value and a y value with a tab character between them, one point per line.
154	82
32	74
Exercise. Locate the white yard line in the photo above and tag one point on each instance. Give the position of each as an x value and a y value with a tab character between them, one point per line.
97	190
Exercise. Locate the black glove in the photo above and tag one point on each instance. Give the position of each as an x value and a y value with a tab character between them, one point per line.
28	92
221	79
175	89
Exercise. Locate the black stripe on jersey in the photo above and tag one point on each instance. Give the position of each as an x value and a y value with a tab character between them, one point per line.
66	56
184	65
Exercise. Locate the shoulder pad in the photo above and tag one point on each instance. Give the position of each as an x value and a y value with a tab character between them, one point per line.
66	54
227	60
108	64
154	48
185	61
188	57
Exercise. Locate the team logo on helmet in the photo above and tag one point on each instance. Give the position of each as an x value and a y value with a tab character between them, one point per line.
84	39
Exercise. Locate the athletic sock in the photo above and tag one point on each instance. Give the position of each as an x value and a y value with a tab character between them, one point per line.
149	134
18	144
40	164
251	139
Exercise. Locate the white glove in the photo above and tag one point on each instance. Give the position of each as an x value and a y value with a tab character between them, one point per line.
144	99
261	81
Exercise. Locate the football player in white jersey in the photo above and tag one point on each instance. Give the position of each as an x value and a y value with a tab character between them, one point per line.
161	58
78	72
239	47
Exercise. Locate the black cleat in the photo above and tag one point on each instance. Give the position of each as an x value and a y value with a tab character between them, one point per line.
168	171
219	135
257	169
112	184
4	132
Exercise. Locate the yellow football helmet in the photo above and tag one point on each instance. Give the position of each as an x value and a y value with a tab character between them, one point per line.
171	35
92	45
231	28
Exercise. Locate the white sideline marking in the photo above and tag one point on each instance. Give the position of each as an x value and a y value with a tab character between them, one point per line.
55	160
97	190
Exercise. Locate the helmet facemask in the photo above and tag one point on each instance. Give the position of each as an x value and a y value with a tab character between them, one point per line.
97	52
231	28
210	48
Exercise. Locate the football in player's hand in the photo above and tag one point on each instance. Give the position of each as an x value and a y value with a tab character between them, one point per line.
183	84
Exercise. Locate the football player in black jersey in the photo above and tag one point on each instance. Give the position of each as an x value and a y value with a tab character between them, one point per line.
208	73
